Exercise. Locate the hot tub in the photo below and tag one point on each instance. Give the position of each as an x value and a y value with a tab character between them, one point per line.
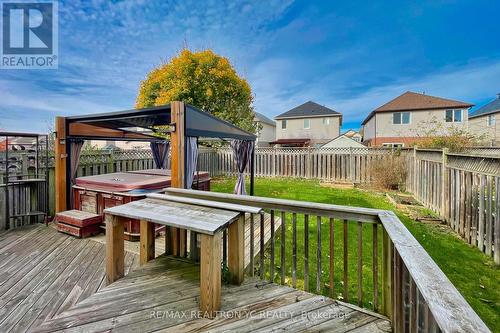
93	194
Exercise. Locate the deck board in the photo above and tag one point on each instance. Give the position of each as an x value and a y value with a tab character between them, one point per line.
62	288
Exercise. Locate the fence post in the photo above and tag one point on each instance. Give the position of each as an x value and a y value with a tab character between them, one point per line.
273	162
415	174
111	163
351	166
309	163
24	165
444	185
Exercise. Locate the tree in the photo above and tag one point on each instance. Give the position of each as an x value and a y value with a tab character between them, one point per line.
204	80
435	135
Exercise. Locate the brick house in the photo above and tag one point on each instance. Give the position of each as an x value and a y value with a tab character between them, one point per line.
406	119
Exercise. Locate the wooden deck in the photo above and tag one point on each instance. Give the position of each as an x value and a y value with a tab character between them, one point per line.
50	282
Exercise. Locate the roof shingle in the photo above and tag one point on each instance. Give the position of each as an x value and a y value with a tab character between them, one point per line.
263	119
411	101
491	107
308	109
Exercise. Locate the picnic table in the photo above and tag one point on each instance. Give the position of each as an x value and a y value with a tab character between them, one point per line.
207	218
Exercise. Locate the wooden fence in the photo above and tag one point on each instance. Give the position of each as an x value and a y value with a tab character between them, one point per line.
327	164
464	190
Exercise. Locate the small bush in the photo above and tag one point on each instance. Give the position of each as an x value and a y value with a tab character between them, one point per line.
435	135
389	172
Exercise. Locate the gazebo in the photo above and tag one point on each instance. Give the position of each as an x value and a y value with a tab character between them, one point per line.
183	122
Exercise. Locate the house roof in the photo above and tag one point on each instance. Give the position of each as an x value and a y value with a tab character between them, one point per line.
344	141
263	119
308	109
411	101
350	132
290	141
491	107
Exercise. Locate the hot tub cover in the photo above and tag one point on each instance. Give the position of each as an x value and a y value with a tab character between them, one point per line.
123	182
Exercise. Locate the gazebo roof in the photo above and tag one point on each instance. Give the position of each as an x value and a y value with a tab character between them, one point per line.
121	124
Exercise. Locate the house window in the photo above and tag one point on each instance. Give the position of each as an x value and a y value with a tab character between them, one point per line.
393	145
453	116
399	118
491	120
283	124
326	121
307	124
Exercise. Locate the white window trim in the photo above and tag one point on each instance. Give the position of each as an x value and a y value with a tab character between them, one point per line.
286	124
326	121
453	116
491	116
309	123
409	120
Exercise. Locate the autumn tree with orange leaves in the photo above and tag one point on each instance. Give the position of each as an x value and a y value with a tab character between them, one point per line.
205	80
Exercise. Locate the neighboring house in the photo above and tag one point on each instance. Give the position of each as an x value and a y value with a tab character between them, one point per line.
352	134
309	124
343	141
267	131
408	118
125	145
484	121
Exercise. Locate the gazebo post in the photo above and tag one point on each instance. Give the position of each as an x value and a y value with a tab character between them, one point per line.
177	151
252	171
61	158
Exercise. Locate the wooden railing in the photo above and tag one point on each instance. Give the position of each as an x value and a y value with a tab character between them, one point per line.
359	255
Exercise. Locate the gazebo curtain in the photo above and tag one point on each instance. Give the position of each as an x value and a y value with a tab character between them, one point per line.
242	153
75	149
160	153
191	159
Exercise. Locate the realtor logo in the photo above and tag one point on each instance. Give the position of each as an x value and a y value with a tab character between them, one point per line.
29	35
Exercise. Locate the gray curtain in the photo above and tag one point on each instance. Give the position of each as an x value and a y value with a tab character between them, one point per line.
242	153
75	149
160	153
191	159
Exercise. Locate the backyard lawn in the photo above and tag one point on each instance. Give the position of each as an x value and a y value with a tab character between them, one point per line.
472	273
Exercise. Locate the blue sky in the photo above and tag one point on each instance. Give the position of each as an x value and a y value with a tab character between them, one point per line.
351	56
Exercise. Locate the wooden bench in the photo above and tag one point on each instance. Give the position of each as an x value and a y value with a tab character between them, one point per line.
201	218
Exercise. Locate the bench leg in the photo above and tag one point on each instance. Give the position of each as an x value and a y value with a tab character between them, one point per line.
178	242
169	248
210	274
115	261
147	248
236	250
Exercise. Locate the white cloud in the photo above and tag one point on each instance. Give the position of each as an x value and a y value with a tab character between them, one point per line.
472	82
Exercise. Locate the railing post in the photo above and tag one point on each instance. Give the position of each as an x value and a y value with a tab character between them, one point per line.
444	185
387	275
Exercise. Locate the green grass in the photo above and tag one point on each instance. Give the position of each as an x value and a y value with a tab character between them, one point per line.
473	274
